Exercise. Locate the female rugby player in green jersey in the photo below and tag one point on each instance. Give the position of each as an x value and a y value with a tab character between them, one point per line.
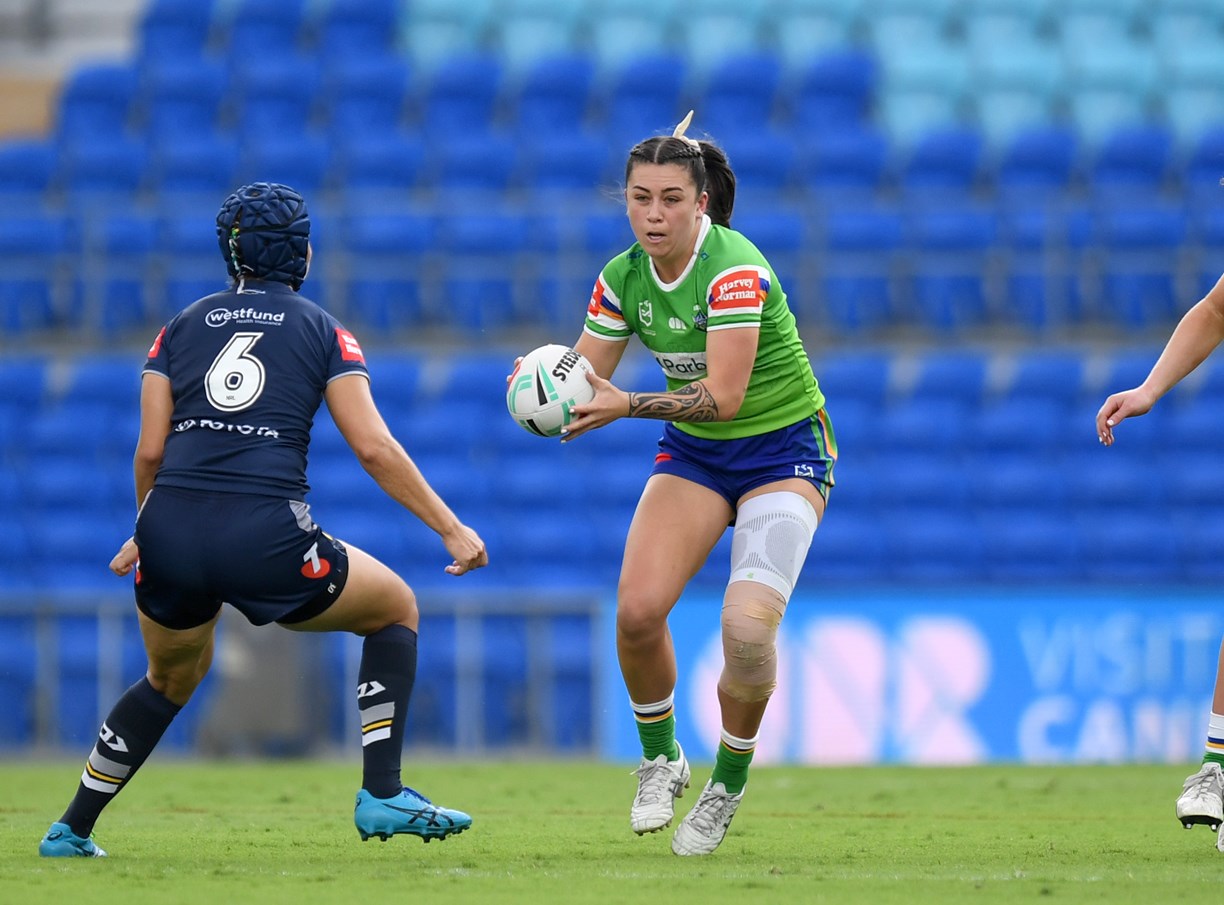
1196	336
747	442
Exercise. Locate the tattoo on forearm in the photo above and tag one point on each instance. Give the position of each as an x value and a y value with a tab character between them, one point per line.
689	403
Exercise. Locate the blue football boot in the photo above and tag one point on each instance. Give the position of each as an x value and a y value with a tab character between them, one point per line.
62	842
408	812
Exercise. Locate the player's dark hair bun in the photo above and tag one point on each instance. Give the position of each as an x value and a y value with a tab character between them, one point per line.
263	230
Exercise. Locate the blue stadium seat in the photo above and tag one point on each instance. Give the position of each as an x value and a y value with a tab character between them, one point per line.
953	375
432	31
641	96
851	546
1036	161
475	161
477	256
573	160
192	266
1199	539
274	96
254	29
365	96
193	165
1016	477
1057	376
1002	426
858	247
298	159
380	165
1139	281
928	424
1040	283
383	291
32	249
1028	544
73	546
183	97
835	89
460	95
765	162
349	29
939	546
553	95
802	28
782	236
103	171
26	168
944	159
1133	158
117	250
1194	483
846	161
171	30
738	94
860	374
947	274
1193	427
96	102
18	680
525	31
1128	548
623	32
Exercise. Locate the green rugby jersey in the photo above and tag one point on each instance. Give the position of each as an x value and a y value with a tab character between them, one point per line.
727	285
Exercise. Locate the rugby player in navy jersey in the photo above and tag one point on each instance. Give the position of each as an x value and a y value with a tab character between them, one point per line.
229	392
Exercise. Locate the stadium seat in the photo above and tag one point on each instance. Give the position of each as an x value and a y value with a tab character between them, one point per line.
383	166
1056	376
193	167
927	423
96	103
834	90
191	265
764	160
350	29
116	253
576	160
954	375
947	274
860	374
1140	246
274	97
385	255
32	250
1040	281
1130	548
102	171
172	30
477	259
26	168
852	547
782	236
1028	544
298	159
1017	477
553	95
940	546
461	95
183	97
738	94
254	29
857	249
525	31
641	96
852	161
801	28
621	32
1133	158
1038	161
365	96
1003	113
946	158
18	680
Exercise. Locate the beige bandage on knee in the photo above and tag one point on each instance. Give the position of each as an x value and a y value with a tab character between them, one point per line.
751	614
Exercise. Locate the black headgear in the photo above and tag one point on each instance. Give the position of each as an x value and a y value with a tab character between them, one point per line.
263	230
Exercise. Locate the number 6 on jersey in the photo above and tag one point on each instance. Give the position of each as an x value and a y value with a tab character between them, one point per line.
236	377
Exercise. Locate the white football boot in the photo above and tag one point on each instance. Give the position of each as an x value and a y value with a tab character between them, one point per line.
660	783
1202	798
703	828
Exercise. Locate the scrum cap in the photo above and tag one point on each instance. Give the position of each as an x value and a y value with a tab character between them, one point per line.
263	230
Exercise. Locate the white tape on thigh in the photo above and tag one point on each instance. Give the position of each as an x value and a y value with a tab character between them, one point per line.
772	535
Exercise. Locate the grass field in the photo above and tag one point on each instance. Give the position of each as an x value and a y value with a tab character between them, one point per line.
282	832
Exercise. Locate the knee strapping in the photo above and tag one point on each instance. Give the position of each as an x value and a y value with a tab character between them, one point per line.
772	535
750	618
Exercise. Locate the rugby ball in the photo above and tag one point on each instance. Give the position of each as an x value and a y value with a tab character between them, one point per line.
546	386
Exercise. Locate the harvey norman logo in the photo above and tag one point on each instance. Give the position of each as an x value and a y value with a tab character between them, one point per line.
220	317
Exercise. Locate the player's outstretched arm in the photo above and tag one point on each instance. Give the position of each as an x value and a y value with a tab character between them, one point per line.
1197	334
381	455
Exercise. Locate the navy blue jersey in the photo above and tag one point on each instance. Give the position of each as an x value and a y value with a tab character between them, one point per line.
247	373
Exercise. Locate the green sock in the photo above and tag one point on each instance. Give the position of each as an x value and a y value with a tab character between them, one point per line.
1214	758
731	762
656	726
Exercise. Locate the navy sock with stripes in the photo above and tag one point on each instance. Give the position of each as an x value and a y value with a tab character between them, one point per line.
384	686
129	734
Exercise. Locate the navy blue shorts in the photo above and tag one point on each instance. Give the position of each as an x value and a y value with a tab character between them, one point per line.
806	449
262	555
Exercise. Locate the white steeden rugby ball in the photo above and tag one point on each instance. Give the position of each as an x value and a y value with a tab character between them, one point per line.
546	386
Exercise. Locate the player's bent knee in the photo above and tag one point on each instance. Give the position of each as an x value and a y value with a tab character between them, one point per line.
750	619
